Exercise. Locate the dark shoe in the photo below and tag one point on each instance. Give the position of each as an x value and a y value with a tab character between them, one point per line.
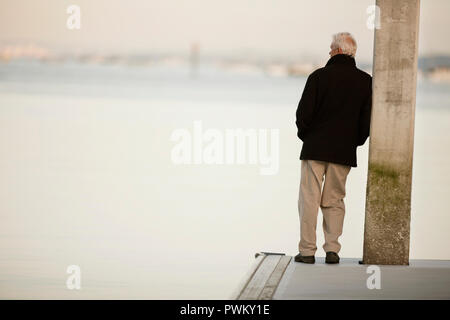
332	257
304	259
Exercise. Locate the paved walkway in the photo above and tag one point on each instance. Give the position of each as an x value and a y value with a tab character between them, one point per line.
422	279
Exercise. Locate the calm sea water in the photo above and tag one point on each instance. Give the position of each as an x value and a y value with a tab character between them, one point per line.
87	179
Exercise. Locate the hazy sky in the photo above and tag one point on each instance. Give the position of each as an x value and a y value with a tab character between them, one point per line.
259	27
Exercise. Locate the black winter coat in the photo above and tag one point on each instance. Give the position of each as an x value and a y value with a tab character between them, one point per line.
333	115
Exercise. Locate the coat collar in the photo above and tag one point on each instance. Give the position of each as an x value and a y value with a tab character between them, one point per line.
341	59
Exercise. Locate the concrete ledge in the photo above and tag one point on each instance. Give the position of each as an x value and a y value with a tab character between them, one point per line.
263	278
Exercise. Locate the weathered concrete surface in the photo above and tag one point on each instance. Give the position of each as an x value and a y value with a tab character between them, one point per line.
422	279
263	278
388	194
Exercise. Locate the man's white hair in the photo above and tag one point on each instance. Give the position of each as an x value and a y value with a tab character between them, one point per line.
345	42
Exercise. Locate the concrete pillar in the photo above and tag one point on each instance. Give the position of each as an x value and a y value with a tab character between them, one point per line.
388	194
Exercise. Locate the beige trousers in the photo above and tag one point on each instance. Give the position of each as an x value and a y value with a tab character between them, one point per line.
330	200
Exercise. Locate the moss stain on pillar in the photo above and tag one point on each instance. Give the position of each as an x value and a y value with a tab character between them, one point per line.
388	206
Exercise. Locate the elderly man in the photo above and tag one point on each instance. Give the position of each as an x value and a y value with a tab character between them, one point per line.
333	119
